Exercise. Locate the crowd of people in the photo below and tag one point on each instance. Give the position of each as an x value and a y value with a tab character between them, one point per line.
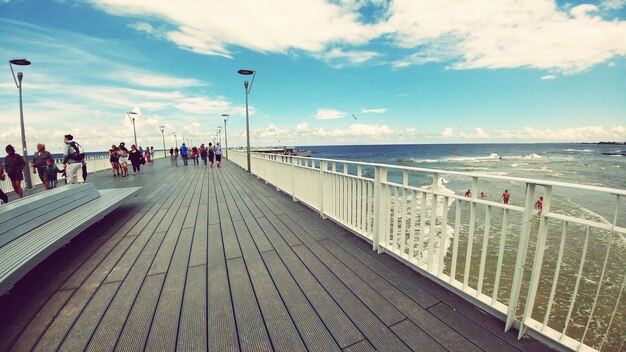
74	166
120	157
208	154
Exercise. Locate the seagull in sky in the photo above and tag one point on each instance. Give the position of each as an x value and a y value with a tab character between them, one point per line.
354	117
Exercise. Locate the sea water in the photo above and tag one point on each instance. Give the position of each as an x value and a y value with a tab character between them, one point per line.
583	164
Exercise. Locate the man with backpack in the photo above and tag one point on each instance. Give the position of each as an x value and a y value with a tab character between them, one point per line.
73	157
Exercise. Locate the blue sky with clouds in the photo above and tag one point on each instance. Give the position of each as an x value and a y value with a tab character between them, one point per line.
411	71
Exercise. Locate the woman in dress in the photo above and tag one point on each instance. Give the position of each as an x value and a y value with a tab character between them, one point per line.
148	156
114	159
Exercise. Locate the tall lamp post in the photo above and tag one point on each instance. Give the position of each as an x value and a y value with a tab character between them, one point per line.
162	128
247	90
175	139
132	119
226	134
219	132
20	75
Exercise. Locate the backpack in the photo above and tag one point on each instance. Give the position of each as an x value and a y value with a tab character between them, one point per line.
78	154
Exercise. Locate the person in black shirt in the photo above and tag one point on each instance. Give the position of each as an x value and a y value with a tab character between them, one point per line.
14	164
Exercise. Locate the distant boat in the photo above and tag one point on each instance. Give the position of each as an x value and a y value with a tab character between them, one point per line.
456	153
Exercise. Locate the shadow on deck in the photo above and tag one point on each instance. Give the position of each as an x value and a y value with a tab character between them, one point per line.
216	259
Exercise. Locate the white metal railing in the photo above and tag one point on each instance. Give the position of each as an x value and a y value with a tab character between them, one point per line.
94	164
556	276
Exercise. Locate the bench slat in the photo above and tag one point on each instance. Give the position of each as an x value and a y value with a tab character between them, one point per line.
21	255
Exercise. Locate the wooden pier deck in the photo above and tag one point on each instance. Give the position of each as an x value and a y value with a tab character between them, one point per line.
215	259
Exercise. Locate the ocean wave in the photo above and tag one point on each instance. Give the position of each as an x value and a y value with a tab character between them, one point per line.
578	150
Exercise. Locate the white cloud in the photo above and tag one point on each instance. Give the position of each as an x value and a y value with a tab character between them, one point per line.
447	133
209	27
329	114
478	133
613	4
148	79
373	111
505	34
548	77
142	27
574	134
338	58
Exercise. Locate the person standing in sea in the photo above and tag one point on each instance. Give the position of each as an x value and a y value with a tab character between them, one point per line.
505	196
39	164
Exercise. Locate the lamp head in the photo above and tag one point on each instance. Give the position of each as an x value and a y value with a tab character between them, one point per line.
246	72
20	62
19	76
245	84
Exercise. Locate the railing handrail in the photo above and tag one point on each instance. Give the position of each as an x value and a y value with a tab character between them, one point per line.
538	182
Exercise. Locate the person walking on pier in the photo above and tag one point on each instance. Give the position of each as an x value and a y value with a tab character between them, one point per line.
14	164
211	154
73	157
51	171
135	159
123	158
39	163
194	156
218	154
184	152
114	159
3	197
203	153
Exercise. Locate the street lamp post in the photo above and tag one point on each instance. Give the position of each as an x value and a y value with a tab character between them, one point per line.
20	75
225	133
132	119
247	90
219	132
163	134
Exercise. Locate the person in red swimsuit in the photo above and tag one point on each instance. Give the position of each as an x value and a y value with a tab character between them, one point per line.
505	196
539	205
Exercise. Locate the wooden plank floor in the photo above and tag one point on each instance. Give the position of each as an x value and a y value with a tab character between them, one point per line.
216	259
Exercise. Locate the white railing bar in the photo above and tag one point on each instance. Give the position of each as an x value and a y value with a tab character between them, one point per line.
444	234
597	225
617	203
484	176
422	236
395	220
433	230
538	262
457	234
578	278
405	210
412	227
483	255
520	261
496	284
470	244
619	297
555	279
595	300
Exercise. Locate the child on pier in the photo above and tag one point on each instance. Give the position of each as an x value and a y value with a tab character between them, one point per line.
51	171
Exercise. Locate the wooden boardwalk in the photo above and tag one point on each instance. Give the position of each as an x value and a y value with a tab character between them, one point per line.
216	259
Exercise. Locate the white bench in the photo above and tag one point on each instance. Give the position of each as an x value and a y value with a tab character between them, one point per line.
36	226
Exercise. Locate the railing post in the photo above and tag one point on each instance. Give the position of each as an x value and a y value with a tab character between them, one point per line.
522	248
293	178
323	168
379	178
538	262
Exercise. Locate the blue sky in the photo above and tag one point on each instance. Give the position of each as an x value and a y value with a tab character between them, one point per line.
411	71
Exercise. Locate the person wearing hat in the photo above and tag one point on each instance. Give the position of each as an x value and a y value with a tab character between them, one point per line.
73	158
